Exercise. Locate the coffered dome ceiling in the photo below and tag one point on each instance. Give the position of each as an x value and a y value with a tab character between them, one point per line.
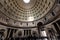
33	10
28	13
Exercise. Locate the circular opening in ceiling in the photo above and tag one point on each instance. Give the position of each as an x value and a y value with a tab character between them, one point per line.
26	1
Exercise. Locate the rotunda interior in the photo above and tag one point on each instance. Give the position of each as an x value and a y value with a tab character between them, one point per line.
29	19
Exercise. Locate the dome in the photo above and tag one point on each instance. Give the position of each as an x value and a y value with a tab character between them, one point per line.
25	12
29	19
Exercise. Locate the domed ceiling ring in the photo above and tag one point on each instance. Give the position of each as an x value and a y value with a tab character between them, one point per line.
26	12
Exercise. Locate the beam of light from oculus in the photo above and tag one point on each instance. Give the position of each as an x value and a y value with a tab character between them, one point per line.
30	18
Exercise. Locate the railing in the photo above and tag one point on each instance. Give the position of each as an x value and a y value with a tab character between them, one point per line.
28	38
